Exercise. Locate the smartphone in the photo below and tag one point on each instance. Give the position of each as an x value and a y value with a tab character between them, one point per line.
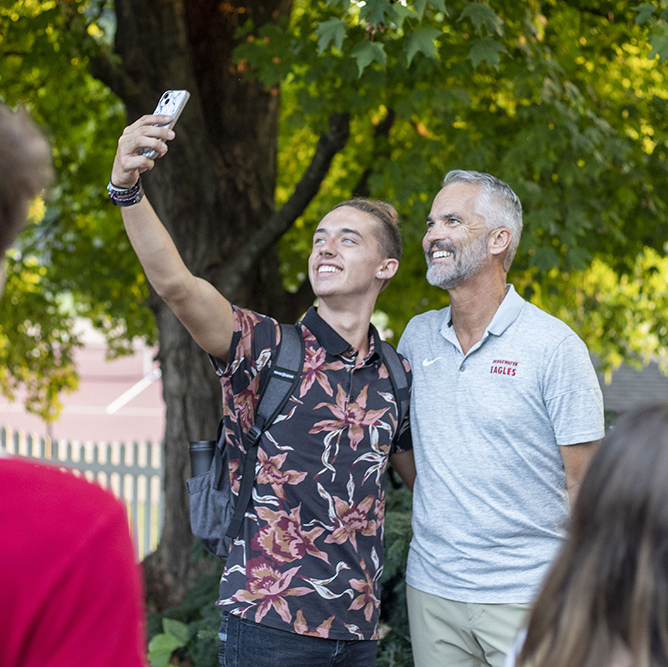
171	104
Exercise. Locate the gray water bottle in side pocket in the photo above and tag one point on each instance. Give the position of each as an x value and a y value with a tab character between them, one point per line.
201	455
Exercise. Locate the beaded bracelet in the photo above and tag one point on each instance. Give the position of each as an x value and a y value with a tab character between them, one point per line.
126	196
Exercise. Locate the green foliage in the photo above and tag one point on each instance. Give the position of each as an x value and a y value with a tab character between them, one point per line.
422	41
486	50
482	15
558	99
162	646
333	30
190	629
395	647
367	52
622	318
656	19
76	260
37	354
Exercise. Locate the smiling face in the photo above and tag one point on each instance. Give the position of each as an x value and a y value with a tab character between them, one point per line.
346	261
456	242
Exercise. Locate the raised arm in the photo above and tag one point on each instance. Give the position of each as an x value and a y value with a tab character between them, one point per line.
202	309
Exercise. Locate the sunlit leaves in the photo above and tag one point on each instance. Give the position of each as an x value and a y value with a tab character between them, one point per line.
622	317
398	29
563	104
36	340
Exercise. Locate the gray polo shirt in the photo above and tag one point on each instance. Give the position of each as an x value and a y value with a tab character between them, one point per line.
490	502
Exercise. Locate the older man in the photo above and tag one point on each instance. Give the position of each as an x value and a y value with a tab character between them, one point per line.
506	411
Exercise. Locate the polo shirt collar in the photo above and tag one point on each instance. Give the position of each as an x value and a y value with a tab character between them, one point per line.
329	339
507	312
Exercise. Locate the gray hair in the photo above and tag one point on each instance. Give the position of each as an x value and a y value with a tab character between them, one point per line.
497	203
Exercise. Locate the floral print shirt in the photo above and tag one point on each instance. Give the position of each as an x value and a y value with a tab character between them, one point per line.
309	557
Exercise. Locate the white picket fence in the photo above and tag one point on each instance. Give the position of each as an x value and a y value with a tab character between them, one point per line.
133	472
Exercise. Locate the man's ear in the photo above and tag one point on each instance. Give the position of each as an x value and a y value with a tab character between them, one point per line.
499	240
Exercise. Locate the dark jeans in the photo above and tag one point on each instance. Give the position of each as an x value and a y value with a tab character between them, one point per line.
248	644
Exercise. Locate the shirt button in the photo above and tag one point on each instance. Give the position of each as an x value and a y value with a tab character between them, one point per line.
461	368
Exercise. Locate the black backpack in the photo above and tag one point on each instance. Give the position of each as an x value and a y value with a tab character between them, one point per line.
216	514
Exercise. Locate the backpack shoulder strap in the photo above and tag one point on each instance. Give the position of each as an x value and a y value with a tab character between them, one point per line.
285	374
399	380
284	377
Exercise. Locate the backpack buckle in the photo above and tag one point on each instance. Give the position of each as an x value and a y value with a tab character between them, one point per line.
253	435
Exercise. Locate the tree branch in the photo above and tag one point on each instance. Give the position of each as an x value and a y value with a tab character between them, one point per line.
104	69
382	132
102	65
328	146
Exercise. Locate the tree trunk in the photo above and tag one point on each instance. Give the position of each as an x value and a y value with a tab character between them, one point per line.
214	191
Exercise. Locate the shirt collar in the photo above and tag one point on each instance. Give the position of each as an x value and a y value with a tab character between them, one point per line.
507	312
332	342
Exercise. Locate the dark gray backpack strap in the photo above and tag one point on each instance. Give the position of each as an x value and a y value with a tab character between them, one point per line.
285	375
399	380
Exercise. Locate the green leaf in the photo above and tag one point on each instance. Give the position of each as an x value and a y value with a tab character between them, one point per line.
176	629
374	11
343	3
481	15
421	5
440	5
367	52
659	41
486	50
400	14
333	30
645	12
160	649
422	41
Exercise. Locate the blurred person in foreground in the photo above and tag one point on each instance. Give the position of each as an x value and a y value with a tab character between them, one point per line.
70	589
604	602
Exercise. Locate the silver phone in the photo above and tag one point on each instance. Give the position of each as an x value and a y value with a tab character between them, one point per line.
171	104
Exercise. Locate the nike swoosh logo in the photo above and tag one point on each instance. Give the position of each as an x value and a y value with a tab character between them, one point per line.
429	362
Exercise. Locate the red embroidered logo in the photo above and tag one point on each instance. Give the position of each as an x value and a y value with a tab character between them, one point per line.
503	367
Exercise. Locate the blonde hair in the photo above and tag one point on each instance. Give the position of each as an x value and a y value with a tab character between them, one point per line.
25	170
387	232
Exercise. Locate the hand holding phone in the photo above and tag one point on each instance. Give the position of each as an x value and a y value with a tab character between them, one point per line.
171	104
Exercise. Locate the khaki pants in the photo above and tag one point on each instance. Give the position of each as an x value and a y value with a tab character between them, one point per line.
445	633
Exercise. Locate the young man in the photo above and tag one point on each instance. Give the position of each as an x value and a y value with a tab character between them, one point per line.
70	589
301	582
506	409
